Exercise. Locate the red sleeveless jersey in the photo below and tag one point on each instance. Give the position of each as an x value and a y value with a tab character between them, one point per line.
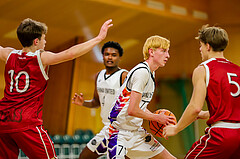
25	85
223	90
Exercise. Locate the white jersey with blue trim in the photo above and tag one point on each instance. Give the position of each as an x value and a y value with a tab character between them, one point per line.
139	79
107	86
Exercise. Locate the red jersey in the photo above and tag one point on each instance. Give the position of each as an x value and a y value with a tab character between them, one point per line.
223	90
25	85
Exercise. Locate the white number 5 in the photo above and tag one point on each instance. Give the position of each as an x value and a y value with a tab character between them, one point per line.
235	83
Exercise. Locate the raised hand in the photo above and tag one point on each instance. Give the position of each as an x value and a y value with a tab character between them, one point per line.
78	99
104	29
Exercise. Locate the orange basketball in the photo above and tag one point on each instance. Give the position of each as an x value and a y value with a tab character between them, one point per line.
157	128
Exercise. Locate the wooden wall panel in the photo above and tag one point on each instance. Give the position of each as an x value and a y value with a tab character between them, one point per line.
56	102
84	82
2	81
57	97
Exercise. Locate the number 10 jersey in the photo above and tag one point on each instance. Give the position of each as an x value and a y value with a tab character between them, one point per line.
25	85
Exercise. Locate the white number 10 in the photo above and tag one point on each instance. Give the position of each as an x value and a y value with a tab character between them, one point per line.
235	83
11	72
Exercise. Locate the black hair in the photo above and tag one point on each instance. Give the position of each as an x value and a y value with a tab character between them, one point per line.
114	45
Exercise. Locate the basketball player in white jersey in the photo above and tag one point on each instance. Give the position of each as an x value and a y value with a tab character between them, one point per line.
107	83
126	137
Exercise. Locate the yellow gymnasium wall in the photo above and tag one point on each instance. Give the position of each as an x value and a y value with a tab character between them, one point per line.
2	82
81	117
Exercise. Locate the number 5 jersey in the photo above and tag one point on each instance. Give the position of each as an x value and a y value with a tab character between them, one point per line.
223	90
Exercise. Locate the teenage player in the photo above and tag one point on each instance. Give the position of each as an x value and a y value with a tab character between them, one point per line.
107	83
125	135
217	80
21	125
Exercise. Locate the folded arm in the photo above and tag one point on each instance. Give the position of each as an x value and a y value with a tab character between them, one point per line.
135	110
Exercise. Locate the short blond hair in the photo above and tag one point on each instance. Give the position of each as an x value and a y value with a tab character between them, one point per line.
154	42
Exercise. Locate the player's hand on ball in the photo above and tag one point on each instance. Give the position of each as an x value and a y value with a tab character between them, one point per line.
165	119
78	99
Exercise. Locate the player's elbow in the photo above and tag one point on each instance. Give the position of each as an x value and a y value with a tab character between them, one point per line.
195	108
70	55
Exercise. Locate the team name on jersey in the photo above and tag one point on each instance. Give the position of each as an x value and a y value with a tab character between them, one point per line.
13	115
147	95
106	90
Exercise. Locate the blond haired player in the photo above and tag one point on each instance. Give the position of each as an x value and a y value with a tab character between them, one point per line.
125	135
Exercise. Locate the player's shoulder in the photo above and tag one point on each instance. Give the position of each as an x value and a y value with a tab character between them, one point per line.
124	73
6	49
139	70
100	73
142	67
123	70
4	52
208	61
199	73
199	69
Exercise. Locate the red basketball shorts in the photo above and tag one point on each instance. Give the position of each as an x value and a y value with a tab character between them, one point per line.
34	142
221	141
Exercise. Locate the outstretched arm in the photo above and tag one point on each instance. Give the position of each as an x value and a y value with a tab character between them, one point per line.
195	105
49	58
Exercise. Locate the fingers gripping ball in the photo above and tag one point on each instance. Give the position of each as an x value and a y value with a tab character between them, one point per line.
157	128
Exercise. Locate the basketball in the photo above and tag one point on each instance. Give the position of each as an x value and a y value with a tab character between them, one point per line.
157	128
